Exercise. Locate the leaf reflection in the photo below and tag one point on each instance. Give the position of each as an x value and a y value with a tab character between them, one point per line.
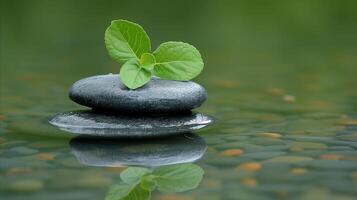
137	183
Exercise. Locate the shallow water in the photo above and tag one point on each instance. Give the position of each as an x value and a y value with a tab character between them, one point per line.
281	80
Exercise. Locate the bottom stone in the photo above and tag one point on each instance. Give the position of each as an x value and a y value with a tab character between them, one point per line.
91	123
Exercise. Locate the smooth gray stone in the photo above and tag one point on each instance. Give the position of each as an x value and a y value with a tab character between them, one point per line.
107	92
92	123
151	152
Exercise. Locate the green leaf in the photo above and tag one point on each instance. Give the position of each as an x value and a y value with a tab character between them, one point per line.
177	61
126	40
138	193
132	175
128	192
134	76
148	182
118	191
178	178
147	61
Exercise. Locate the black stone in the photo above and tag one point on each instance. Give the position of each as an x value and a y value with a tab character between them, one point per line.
151	152
107	92
92	123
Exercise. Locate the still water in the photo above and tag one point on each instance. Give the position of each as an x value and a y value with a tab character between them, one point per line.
281	81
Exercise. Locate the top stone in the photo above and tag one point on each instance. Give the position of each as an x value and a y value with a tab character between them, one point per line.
107	92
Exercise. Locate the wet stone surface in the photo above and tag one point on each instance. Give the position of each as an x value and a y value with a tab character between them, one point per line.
92	123
107	92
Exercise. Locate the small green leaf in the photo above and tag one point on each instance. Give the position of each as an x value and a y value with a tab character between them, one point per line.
148	182
126	40
132	175
118	191
178	178
134	76
128	192
147	61
177	61
138	193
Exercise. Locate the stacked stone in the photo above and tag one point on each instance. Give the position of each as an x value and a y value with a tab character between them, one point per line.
160	108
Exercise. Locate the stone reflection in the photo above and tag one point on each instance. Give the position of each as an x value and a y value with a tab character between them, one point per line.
163	164
150	152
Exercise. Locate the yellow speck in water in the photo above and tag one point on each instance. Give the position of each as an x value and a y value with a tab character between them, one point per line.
320	104
289	98
347	121
269	135
45	156
270	118
248	182
232	152
19	170
211	149
249	166
296	149
331	157
26	185
275	91
298	171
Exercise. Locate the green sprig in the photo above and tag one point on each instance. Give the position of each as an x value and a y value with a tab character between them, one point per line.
128	43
